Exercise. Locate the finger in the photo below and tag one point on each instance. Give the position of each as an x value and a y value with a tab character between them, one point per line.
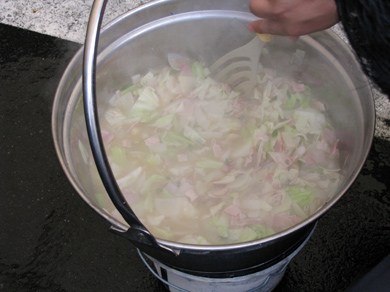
269	26
261	8
253	27
266	26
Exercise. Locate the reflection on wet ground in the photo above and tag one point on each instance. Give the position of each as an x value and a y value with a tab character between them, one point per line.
50	240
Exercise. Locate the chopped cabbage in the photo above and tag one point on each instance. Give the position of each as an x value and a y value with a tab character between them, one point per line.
202	164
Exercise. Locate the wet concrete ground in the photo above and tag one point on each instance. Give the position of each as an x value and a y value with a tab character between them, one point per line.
50	240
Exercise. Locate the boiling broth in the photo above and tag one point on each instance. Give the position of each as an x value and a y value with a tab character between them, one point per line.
199	163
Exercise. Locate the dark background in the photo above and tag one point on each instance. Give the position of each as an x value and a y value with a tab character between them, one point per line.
50	240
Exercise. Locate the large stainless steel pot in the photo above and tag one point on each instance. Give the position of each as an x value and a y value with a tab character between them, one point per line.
141	39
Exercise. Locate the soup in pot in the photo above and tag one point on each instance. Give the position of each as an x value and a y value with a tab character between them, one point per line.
201	164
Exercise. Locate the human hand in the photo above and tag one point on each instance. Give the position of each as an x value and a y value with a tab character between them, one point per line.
292	17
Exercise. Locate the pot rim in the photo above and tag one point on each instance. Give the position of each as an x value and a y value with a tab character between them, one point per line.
118	226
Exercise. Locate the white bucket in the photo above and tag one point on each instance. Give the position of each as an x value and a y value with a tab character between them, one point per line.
262	281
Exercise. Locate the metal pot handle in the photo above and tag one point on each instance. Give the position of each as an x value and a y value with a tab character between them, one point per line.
137	233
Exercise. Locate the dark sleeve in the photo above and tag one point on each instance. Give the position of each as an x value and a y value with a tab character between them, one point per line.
367	25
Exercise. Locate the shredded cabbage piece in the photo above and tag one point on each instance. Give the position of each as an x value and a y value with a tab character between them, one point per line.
201	164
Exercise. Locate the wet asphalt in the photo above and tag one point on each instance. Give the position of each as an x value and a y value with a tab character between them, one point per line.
50	240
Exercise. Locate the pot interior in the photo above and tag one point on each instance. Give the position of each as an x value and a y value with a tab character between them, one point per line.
206	36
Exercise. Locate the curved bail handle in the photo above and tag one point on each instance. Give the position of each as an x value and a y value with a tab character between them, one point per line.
137	233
